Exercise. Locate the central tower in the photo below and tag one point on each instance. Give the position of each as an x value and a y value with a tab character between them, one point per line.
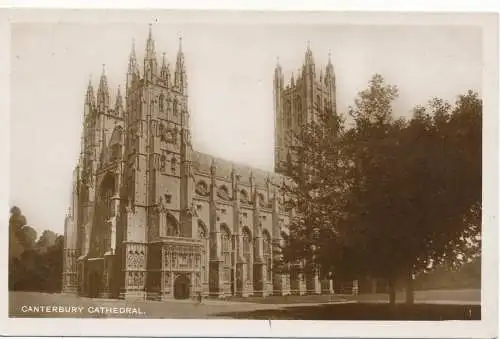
299	102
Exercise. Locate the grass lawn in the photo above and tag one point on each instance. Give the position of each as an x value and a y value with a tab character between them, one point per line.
363	311
290	299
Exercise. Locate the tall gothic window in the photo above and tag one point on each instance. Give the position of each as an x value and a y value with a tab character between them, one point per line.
107	191
175	108
247	252
173	164
163	162
101	237
267	254
288	114
203	235
161	103
227	250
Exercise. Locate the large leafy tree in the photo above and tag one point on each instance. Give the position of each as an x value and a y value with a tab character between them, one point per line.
317	168
389	198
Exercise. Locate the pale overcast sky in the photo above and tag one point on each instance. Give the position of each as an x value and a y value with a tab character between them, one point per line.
230	72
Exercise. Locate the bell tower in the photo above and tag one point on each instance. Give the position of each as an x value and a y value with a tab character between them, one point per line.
299	102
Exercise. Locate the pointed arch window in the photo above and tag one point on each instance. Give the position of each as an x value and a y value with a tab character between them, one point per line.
288	114
244	196
267	251
203	235
175	108
163	163
161	103
247	252
173	164
227	251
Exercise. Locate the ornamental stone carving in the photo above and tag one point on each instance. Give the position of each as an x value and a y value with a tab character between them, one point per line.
202	188
223	193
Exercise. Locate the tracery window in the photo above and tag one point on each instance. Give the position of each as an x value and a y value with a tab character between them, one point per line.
244	196
267	251
227	250
288	121
247	252
202	234
163	162
288	114
173	164
161	132
175	108
107	191
161	103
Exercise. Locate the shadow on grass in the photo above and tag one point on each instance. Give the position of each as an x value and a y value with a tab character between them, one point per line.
360	311
292	299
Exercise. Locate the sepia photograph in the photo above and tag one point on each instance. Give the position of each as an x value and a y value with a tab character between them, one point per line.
248	168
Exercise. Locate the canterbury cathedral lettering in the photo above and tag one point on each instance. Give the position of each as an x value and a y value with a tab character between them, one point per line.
152	218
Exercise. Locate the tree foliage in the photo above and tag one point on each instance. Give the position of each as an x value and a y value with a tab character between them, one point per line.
390	197
33	265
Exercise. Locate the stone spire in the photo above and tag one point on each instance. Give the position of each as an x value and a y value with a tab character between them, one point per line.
165	70
329	67
89	99
132	62
150	45
180	69
309	55
150	63
119	103
89	96
103	92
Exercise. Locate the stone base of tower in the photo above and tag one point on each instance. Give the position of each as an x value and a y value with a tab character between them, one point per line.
313	283
298	284
216	283
281	284
70	276
268	289
258	275
69	290
132	295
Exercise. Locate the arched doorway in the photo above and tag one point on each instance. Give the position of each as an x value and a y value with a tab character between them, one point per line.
181	287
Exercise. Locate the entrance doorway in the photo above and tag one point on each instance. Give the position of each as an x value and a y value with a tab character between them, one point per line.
181	287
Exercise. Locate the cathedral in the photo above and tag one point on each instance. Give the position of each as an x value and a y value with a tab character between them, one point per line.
151	218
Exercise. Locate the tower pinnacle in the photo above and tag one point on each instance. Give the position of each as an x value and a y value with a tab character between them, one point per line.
89	96
132	63
329	66
180	70
103	91
309	55
150	45
119	102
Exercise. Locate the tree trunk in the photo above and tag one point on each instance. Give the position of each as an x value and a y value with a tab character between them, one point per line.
410	296
392	291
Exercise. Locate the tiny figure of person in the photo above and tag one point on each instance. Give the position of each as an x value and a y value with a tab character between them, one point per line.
199	298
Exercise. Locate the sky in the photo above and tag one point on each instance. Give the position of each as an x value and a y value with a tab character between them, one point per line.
230	72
